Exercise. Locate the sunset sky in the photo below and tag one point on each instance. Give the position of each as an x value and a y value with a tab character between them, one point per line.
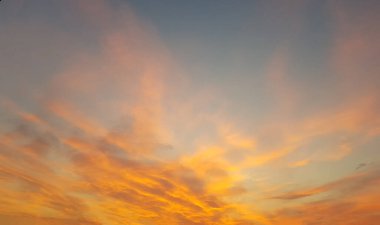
189	112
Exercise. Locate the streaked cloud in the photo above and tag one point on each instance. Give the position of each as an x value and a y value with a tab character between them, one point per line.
116	130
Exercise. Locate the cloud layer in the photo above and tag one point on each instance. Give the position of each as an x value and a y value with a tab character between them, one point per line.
118	132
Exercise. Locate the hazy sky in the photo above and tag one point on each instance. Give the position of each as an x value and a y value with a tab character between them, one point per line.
189	112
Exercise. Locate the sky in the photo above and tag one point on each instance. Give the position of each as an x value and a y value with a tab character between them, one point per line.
201	112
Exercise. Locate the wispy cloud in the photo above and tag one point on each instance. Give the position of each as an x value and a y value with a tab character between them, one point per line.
119	134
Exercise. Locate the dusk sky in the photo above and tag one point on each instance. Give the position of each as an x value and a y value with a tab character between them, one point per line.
190	112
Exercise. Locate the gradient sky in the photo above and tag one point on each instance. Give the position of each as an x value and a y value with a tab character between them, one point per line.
201	112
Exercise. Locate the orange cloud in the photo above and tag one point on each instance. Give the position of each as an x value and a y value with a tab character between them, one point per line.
356	203
98	148
94	172
299	163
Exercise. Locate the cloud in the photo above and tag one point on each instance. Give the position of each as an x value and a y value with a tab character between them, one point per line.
346	186
360	166
114	139
22	219
352	201
72	160
300	163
